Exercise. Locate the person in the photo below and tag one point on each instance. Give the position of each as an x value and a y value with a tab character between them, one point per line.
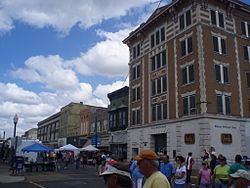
221	174
241	178
237	165
117	176
214	162
205	156
137	177
189	166
147	161
180	173
204	175
166	168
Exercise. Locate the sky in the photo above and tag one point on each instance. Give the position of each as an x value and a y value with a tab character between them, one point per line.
61	51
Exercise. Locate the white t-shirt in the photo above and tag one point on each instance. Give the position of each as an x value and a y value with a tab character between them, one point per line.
179	171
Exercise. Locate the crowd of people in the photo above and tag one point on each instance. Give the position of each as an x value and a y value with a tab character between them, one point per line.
149	170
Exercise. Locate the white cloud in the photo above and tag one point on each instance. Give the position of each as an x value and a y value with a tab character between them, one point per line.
64	14
108	57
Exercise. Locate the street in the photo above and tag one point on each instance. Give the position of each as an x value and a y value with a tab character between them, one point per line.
71	177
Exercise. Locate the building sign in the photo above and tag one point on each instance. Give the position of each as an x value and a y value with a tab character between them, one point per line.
189	138
226	138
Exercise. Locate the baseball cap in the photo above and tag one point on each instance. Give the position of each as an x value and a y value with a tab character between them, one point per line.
241	174
113	170
146	154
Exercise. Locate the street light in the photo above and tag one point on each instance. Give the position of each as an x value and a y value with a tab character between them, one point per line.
15	120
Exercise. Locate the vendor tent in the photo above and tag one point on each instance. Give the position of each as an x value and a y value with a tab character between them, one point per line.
68	147
36	147
89	148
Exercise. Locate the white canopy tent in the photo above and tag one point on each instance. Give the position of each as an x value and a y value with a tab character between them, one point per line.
89	148
70	147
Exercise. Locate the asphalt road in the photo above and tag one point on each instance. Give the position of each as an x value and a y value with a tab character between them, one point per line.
68	178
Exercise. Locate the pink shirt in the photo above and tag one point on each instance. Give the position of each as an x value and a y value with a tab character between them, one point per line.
205	176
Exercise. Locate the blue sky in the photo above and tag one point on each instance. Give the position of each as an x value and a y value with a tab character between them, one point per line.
56	52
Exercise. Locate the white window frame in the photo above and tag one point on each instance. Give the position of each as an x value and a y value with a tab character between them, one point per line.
187	67
186	46
136	116
136	90
185	19
248	51
246	28
189	109
223	99
156	111
217	18
222	76
156	85
219	38
160	37
135	68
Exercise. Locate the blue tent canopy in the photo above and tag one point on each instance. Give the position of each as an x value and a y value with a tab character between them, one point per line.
36	147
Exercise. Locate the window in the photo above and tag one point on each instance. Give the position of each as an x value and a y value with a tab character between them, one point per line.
159	60
245	29
159	85
221	72
189	105
246	53
136	94
226	138
186	46
136	72
136	51
185	20
217	18
223	104
157	37
159	111
188	74
248	79
219	45
248	105
189	138
136	117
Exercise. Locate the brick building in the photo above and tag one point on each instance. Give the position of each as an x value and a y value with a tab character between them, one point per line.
190	79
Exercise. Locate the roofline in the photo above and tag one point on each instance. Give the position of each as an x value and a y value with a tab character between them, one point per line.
145	24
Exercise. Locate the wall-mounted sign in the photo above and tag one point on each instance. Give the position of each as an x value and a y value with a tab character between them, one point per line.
226	138
189	138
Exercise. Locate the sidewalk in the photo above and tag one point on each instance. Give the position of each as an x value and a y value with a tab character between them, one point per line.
5	177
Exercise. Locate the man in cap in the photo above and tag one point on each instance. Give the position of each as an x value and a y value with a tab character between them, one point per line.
148	166
117	176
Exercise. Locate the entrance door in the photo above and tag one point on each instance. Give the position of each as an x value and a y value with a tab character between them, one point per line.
161	143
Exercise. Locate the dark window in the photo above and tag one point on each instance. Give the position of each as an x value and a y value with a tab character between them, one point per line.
216	44
248	105
190	46
191	73
164	82
217	73
246	54
185	105
184	76
163	34
157	34
138	50
188	18
138	93
192	104
152	40
248	79
228	104
225	74
243	29
165	107
182	23
189	105
134	52
213	17
219	104
134	94
133	117
134	73
158	86
153	63
223	46
158	112
138	117
158	60
154	113
138	68
153	88
164	60
183	47
221	20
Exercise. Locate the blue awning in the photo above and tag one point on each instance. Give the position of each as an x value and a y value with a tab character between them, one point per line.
36	147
